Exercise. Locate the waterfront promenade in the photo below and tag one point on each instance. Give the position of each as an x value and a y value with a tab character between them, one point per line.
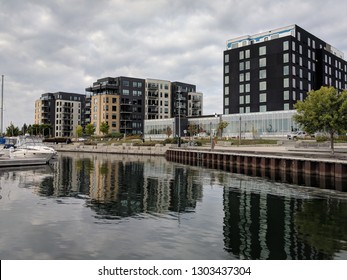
284	148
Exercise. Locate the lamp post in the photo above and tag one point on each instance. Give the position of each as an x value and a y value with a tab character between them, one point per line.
211	136
240	131
179	119
2	104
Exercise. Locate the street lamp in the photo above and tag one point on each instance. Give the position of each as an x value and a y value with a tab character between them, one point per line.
179	119
240	132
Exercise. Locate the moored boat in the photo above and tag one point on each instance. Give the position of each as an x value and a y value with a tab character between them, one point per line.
26	150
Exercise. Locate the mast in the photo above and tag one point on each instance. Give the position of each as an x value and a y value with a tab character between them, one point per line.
2	104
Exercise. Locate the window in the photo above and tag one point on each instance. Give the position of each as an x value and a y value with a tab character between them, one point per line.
248	109
262	74
247	99
242	77
294	70
248	65
226	80
241	55
286	70
248	76
226	100
126	83
293	58
242	66
293	46
247	88
226	91
262	62
286	106
242	88
262	50
285	45
226	58
286	95
226	69
262	108
125	92
242	110
242	99
285	57
262	85
247	54
300	49
262	97
286	82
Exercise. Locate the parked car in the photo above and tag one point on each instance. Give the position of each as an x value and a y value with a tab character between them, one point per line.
298	135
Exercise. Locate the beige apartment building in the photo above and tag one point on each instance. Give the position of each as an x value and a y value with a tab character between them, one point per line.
63	111
105	108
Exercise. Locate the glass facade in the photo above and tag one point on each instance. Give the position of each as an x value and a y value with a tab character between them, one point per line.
252	125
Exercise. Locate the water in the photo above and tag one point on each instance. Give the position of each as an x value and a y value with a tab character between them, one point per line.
93	206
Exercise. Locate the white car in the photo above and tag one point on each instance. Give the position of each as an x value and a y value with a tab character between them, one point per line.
297	135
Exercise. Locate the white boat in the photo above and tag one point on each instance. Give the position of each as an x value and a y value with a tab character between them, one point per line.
28	147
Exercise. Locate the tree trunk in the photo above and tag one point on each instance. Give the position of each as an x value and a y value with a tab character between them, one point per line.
332	142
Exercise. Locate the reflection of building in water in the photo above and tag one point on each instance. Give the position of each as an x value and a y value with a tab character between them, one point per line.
71	176
261	224
158	177
127	184
104	180
169	187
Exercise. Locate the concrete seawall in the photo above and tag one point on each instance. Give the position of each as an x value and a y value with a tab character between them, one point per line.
158	150
316	170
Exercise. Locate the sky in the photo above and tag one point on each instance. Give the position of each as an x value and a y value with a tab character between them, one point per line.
66	45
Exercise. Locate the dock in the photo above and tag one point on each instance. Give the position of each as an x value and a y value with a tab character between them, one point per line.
13	162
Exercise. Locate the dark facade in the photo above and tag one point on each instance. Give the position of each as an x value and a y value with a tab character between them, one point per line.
131	93
271	71
180	98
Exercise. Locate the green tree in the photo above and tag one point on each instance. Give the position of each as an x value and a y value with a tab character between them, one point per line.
12	130
79	131
323	110
104	128
90	129
24	128
193	129
221	126
168	131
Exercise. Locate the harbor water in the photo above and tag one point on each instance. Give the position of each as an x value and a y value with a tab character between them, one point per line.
99	206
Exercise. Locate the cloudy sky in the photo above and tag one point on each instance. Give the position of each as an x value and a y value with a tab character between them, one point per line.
65	45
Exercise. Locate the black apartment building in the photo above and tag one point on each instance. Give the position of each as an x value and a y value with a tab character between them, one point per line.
129	94
180	98
271	71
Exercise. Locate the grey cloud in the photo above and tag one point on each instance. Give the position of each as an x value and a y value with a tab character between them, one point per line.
65	45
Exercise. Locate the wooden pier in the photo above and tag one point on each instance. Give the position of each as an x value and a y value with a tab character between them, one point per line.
319	172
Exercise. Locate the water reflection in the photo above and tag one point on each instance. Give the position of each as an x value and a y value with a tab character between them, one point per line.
223	215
